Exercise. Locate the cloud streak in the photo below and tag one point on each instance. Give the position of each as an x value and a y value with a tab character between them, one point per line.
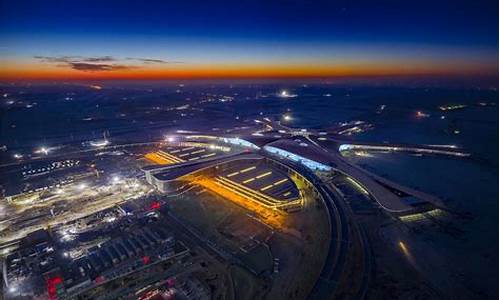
93	67
153	60
68	59
98	63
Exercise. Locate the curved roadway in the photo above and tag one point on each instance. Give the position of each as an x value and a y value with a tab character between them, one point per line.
334	264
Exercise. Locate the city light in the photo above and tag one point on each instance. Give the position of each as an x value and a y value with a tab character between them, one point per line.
404	248
101	143
134	185
155	205
17	156
170	139
422	115
287	117
82	186
116	179
42	150
286	94
67	237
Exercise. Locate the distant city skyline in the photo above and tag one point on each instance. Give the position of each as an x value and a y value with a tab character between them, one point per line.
249	39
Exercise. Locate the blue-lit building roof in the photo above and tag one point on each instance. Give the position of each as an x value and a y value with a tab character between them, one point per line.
297	150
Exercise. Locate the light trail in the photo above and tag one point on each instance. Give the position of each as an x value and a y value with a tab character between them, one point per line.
358	186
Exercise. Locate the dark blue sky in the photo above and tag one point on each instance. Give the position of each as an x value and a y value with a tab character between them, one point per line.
442	22
426	30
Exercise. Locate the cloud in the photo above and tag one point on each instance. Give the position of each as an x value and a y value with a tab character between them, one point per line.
98	63
53	59
153	60
85	63
99	59
89	67
69	59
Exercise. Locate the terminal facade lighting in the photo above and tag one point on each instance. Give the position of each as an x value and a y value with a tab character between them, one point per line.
240	142
101	143
444	151
311	164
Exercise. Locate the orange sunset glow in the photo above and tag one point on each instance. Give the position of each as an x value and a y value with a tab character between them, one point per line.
34	71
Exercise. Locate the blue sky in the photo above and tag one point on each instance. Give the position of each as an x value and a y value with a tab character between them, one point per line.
254	32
